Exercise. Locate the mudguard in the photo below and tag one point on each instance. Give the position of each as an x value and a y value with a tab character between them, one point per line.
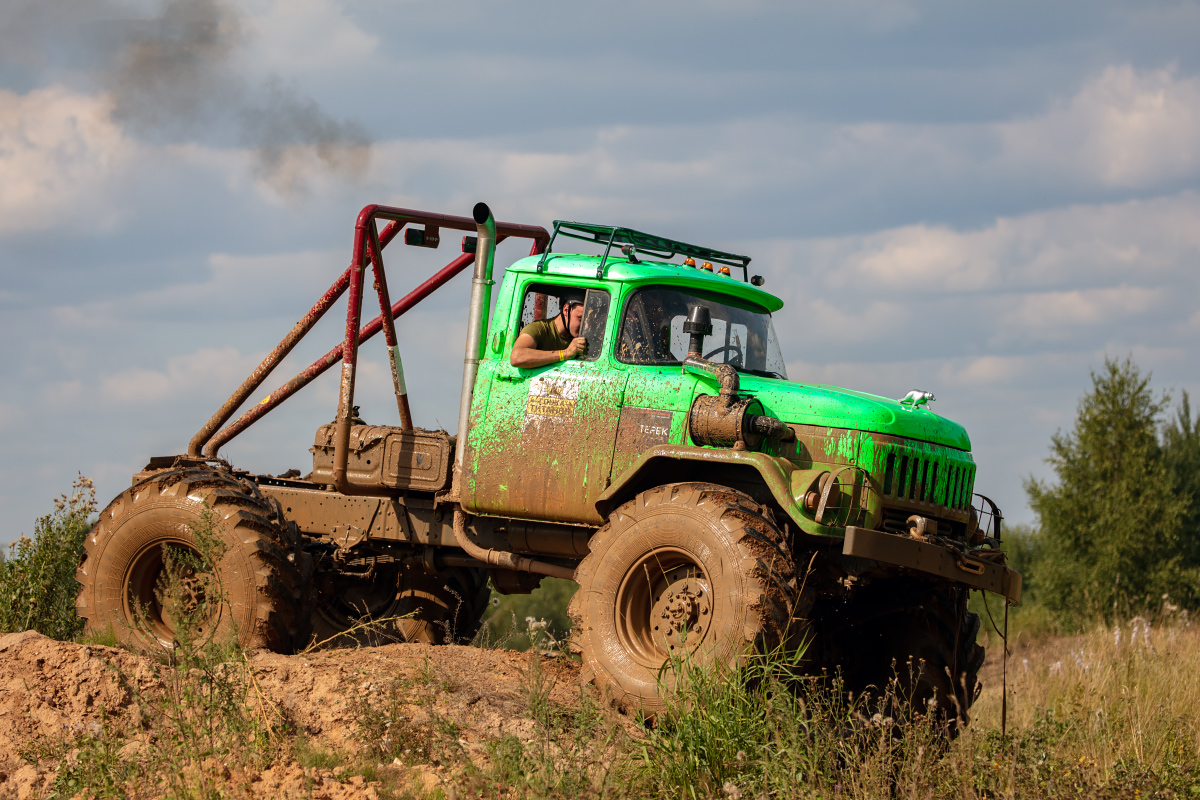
777	473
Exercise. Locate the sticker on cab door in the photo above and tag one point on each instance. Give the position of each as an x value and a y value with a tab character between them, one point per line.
552	397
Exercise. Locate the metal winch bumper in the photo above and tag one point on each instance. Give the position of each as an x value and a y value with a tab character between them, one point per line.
933	559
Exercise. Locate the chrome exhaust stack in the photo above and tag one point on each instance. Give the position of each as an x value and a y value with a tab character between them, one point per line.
477	322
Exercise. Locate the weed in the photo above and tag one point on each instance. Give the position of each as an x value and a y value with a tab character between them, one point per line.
524	621
310	754
37	580
95	766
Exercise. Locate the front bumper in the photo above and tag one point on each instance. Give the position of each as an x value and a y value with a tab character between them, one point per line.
903	551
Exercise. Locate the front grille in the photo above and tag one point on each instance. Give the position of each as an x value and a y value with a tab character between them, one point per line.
922	478
928	479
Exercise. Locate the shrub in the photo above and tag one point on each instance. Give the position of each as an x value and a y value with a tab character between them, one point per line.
37	581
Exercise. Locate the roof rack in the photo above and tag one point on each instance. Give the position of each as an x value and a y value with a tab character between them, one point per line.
648	243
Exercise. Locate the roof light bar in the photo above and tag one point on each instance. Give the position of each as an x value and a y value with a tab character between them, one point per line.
644	243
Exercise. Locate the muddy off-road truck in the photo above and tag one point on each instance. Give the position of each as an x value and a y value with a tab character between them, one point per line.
705	504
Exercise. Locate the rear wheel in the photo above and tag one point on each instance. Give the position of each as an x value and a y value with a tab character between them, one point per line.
398	602
123	574
687	570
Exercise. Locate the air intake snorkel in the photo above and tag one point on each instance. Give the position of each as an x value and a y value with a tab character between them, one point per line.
481	301
723	421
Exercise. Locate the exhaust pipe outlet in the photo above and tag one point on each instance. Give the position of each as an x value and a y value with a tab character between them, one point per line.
477	322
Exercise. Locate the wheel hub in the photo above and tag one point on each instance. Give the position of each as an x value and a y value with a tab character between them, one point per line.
153	597
663	606
680	614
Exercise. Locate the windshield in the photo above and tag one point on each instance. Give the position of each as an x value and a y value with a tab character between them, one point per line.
742	336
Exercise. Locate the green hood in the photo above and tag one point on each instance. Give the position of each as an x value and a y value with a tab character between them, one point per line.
834	407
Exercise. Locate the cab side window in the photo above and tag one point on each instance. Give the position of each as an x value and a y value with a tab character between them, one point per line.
541	301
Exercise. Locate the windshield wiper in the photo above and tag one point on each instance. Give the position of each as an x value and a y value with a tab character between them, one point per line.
762	373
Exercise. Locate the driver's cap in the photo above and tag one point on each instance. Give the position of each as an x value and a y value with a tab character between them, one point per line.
571	297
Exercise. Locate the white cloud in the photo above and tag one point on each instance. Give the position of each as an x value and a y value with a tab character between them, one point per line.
204	370
984	371
9	414
58	149
1125	128
1140	240
303	37
235	284
1122	128
1048	311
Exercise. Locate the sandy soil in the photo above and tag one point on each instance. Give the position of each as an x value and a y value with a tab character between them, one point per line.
54	689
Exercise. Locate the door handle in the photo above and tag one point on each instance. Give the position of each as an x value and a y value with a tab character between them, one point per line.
508	376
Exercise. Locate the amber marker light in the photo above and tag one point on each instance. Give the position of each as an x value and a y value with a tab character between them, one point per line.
689	262
724	270
706	265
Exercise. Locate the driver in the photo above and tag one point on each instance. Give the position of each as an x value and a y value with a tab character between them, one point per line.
549	341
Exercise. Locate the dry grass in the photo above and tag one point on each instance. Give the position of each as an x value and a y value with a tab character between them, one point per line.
1112	713
1116	708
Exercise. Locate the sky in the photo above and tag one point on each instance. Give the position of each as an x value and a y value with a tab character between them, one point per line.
983	201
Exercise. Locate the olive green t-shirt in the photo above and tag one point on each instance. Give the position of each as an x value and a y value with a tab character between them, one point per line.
546	336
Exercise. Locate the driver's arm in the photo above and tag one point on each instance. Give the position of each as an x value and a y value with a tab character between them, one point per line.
526	355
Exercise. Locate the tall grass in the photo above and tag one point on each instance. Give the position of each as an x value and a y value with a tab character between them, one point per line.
1112	713
1117	706
37	580
766	729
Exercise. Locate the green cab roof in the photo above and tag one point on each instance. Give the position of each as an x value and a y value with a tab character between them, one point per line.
583	267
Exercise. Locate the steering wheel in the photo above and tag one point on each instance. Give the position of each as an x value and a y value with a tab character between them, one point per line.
738	357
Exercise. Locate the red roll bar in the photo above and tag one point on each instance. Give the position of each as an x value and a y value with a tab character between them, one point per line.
369	244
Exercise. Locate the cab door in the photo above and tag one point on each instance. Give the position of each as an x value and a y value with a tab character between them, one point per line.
543	447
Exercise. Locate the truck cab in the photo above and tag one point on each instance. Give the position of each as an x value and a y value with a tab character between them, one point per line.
568	442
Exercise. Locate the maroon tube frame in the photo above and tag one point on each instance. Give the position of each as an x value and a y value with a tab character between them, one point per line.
368	248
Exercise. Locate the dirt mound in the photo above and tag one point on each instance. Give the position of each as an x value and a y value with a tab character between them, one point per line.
51	690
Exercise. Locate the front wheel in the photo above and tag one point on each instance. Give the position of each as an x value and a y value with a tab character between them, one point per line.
688	570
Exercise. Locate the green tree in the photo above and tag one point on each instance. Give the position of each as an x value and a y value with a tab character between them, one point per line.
1113	524
1181	451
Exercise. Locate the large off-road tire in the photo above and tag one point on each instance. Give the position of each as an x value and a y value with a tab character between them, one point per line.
398	603
259	576
913	642
694	557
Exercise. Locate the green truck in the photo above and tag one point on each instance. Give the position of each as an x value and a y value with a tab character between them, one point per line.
706	504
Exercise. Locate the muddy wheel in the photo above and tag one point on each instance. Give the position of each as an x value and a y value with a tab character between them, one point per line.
122	573
687	569
399	603
925	651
